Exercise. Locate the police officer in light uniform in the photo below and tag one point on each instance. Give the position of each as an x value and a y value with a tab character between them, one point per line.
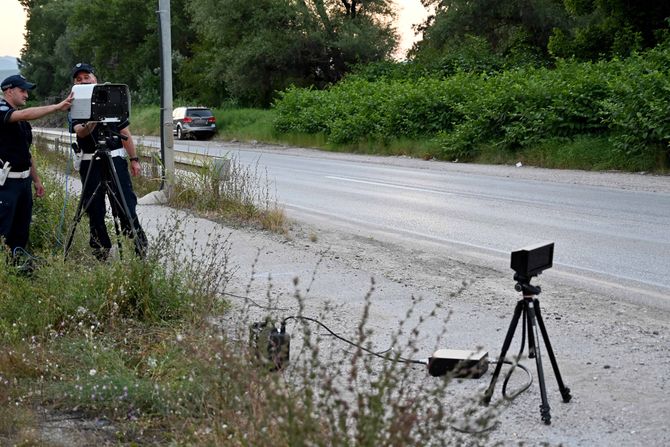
89	135
16	200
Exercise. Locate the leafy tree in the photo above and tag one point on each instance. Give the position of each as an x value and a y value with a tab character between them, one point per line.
222	49
515	31
119	37
249	49
46	54
606	28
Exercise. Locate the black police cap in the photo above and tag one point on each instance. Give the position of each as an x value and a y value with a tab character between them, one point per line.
82	66
16	81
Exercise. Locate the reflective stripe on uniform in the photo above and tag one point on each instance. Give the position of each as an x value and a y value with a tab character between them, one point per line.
115	153
22	174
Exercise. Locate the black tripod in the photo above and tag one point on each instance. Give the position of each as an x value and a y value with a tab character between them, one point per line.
109	184
530	307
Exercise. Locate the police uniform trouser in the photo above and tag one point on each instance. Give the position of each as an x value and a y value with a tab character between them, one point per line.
16	208
99	240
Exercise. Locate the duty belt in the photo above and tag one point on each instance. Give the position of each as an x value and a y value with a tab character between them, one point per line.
22	174
121	152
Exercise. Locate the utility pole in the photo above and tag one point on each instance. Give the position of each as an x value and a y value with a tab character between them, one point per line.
167	139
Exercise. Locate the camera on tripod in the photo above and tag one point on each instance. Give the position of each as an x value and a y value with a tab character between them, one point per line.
107	106
101	102
528	262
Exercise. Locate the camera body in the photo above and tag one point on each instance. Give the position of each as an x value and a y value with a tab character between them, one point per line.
101	102
532	260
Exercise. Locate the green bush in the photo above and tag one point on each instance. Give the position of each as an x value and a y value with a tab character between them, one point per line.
359	110
638	108
465	114
527	106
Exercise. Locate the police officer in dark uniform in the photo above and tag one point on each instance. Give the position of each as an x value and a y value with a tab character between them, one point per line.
16	200
89	136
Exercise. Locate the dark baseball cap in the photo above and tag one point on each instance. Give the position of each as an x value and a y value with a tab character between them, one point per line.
17	81
82	66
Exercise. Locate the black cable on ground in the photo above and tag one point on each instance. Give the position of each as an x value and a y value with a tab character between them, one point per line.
356	345
504	388
514	365
246	298
399	359
509	398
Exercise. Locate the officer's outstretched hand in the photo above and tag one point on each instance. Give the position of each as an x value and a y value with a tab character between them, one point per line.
66	103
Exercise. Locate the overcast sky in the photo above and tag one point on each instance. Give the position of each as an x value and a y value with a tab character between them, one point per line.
410	12
12	29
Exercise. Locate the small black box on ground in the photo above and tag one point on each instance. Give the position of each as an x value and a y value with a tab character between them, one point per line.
458	363
269	345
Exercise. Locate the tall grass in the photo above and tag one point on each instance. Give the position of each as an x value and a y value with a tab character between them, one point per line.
146	120
229	190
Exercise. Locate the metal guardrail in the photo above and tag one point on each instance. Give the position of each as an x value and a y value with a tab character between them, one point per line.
61	140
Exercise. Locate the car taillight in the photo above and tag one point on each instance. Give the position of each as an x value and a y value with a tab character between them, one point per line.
211	119
188	120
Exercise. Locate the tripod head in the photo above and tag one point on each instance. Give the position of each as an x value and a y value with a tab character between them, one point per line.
524	286
108	138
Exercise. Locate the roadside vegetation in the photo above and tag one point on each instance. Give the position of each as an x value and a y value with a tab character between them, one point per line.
232	192
605	115
608	115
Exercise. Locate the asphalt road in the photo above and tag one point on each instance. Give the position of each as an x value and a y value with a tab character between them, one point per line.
604	234
617	236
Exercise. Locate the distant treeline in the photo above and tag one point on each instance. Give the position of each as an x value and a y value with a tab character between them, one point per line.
503	74
244	52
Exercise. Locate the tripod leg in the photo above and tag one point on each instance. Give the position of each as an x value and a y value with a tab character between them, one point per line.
565	391
119	205
508	340
531	335
77	218
544	408
123	205
115	216
81	209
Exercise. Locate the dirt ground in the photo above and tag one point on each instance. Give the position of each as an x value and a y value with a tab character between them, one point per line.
613	354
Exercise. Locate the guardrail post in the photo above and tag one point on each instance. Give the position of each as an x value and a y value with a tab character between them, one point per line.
220	171
155	165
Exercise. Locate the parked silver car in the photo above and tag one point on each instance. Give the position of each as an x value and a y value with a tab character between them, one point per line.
198	122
